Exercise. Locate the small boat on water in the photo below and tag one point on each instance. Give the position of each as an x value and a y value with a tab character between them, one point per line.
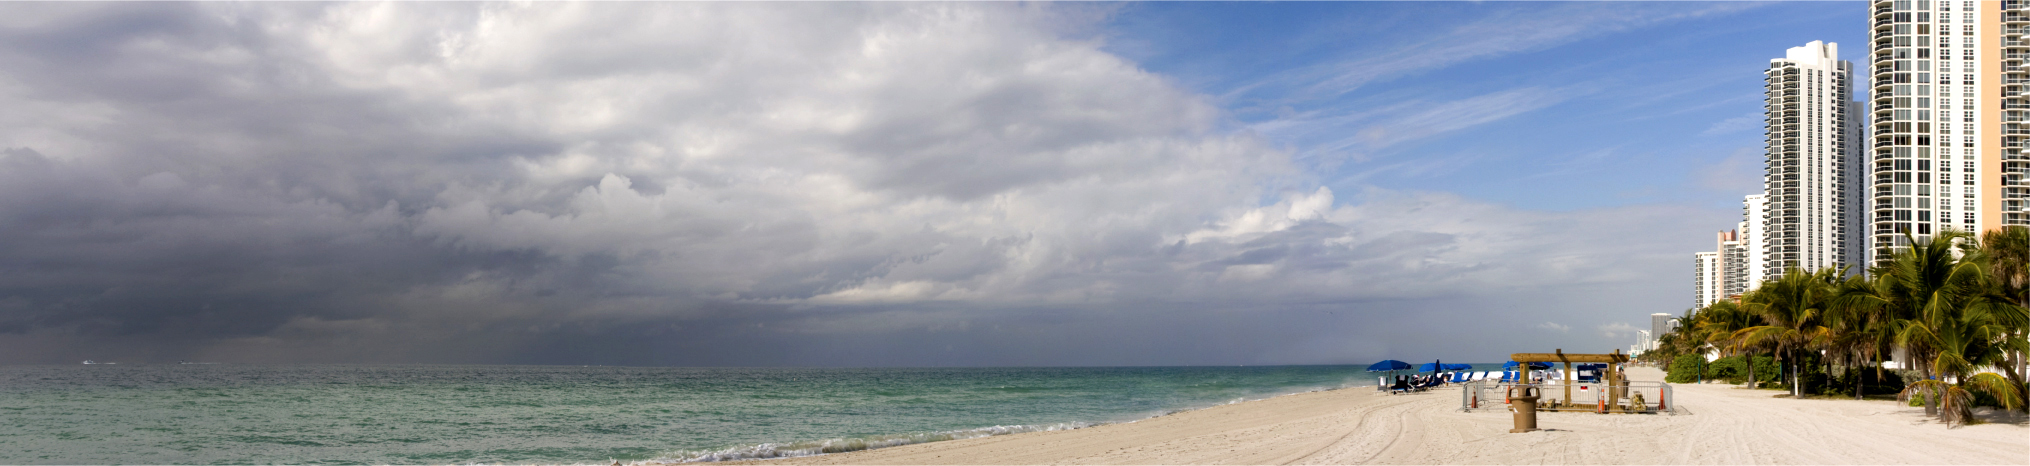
90	362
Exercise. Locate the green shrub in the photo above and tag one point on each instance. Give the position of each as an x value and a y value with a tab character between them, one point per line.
1734	370
1766	369
1685	369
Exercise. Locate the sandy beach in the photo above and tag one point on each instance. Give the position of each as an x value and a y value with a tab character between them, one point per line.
1717	424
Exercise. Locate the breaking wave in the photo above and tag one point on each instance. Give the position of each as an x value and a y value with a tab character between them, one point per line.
842	445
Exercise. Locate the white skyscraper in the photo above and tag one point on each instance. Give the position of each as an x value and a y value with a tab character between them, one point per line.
1705	279
1809	155
1948	100
1754	213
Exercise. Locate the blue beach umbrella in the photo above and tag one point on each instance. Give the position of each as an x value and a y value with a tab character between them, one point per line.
1523	373
1441	366
1388	366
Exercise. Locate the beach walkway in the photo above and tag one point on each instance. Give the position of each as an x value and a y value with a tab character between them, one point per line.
1720	424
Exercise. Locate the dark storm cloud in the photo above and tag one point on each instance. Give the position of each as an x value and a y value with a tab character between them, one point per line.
697	184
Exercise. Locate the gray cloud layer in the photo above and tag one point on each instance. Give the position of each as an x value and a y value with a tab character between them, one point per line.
714	184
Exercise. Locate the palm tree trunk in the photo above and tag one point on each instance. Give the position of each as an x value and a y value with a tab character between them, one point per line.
2015	375
2014	372
1930	398
1787	366
1751	369
1878	368
1796	377
1789	369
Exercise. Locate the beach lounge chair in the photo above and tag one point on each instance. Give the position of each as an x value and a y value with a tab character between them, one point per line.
1401	385
1461	377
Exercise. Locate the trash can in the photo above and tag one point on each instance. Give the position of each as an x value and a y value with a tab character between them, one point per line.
1525	408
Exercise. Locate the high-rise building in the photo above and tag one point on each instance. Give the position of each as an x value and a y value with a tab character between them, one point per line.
1660	324
1722	273
1754	214
1733	264
1811	155
1705	279
2008	185
1948	97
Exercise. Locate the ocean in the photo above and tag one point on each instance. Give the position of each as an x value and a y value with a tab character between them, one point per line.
429	414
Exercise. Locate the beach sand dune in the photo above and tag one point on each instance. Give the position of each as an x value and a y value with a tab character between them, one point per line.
1719	424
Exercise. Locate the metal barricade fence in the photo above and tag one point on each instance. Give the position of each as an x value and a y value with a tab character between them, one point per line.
1585	396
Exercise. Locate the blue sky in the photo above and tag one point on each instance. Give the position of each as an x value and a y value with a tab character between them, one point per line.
1541	105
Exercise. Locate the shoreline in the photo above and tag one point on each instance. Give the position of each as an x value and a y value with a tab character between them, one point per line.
1718	424
891	441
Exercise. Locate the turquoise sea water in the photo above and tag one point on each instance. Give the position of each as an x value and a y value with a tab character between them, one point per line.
409	414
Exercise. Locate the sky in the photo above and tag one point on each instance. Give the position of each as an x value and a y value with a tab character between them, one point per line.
869	184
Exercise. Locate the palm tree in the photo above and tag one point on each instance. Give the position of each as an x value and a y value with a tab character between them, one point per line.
1947	315
1915	278
1793	309
2007	252
1862	330
1963	339
1682	340
1719	322
1686	338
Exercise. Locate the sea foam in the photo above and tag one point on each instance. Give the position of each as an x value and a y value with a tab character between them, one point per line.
842	445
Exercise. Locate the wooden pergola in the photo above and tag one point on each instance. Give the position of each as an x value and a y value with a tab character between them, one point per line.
1615	386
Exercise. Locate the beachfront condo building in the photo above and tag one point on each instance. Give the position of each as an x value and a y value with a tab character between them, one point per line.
1705	285
1735	265
1810	209
1722	273
1948	132
1754	217
1813	154
1661	324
